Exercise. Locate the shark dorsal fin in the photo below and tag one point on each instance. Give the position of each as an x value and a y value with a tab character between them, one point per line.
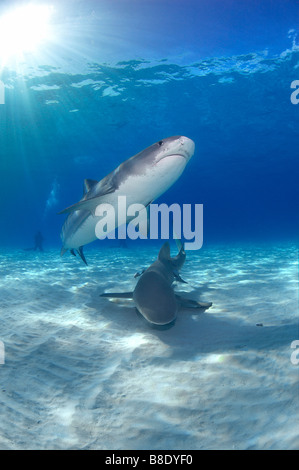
88	184
164	253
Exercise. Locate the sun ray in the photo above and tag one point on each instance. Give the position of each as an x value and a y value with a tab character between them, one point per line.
23	30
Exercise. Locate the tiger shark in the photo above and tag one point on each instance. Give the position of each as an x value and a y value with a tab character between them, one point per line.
142	178
154	296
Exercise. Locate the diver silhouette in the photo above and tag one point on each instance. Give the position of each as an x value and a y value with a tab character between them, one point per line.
38	241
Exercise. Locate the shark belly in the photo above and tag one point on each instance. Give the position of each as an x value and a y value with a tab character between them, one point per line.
141	179
81	235
79	228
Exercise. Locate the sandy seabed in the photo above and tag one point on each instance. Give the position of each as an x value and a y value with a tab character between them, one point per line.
84	372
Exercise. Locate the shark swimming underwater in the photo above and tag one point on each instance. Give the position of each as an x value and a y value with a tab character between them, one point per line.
154	296
142	178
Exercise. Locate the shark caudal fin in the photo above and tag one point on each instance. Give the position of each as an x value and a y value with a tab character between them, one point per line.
177	261
81	254
79	251
164	253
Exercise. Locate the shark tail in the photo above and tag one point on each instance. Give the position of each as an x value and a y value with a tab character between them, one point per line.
79	251
81	254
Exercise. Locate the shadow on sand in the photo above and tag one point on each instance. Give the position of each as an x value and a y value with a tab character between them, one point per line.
197	331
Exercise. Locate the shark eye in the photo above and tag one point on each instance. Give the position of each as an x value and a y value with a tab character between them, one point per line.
160	142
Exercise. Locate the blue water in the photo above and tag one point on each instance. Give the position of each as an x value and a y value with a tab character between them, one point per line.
115	77
221	77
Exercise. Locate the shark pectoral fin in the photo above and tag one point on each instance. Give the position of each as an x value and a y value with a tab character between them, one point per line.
178	277
189	303
86	205
118	295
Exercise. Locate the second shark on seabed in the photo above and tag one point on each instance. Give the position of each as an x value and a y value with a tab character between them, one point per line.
142	179
154	296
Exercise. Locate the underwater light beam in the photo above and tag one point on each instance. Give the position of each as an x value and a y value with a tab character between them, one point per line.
23	29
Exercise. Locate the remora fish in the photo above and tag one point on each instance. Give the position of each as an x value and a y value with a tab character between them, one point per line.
154	296
142	178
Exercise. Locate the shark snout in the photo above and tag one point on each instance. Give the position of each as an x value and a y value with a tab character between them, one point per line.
187	147
178	146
